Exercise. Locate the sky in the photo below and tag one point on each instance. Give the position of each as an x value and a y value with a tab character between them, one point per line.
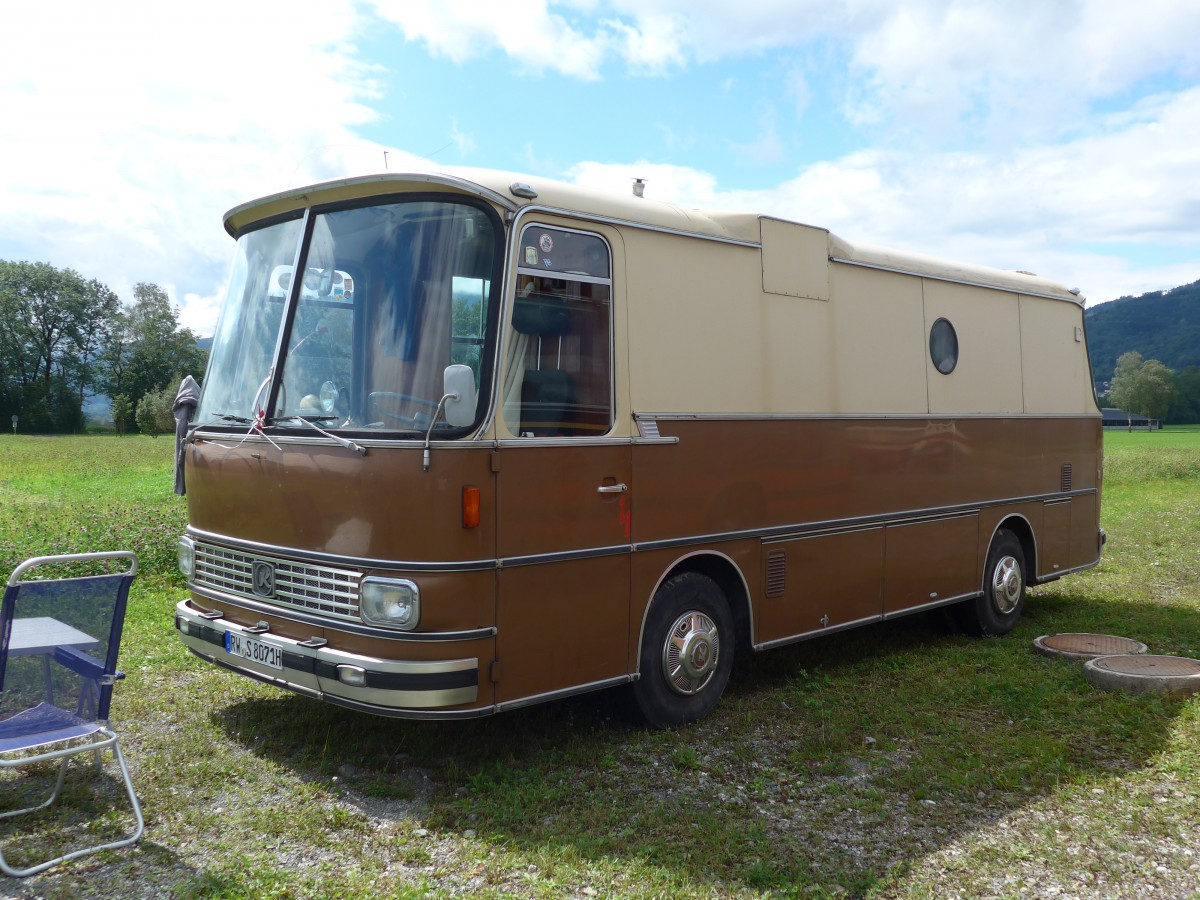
1060	137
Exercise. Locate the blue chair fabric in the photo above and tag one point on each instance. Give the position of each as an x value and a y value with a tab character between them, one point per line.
60	635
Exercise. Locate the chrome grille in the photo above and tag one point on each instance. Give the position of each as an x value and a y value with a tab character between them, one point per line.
306	586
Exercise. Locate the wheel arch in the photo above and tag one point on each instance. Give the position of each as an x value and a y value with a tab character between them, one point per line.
732	583
1020	527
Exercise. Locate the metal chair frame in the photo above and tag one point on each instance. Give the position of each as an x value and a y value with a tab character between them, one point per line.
91	736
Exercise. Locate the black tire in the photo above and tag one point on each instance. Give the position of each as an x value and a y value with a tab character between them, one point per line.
998	608
687	652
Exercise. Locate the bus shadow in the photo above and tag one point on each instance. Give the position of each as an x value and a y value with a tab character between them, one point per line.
827	765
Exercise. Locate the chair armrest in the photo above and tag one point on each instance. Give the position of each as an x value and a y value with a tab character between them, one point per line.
79	662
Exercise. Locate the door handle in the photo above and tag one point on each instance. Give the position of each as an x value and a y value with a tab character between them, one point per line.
611	489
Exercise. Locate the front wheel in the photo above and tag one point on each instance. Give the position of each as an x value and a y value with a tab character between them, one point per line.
998	608
687	652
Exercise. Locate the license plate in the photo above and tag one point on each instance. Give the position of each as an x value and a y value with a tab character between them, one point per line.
255	651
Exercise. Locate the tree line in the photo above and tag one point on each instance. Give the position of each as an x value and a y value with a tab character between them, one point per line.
65	338
1149	388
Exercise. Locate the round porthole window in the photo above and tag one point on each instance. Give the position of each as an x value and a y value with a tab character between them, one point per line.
943	346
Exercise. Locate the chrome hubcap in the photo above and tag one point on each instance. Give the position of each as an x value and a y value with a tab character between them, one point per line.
1006	584
690	653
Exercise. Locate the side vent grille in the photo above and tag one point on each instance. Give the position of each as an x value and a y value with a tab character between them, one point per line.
776	573
1066	477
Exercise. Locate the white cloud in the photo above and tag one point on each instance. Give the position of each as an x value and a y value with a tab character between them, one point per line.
127	134
464	143
525	30
1049	209
651	46
992	72
128	131
767	146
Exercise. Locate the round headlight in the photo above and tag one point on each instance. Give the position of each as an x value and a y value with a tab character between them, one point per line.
391	602
187	557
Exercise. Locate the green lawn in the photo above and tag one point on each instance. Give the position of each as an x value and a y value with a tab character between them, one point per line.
895	761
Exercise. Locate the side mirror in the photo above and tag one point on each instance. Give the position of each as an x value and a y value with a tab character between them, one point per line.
461	400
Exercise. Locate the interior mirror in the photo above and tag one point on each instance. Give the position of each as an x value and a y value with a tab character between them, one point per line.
459	380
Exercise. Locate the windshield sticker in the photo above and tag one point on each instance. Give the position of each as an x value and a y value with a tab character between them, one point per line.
546	243
531	258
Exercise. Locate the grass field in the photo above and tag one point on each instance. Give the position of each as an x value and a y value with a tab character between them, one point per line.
895	761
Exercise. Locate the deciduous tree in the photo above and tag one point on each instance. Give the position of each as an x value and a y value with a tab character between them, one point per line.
1142	386
53	323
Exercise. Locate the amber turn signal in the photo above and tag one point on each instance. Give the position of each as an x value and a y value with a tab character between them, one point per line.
470	495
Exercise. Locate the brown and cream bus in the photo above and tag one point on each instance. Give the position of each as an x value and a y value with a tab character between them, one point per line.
467	443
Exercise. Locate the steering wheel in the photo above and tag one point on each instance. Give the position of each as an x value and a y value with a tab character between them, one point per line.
412	422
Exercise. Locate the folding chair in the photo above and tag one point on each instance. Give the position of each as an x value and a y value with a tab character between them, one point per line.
59	638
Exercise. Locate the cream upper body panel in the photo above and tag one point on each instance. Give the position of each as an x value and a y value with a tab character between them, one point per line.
742	314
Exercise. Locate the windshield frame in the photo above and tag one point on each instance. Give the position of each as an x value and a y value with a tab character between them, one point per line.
285	423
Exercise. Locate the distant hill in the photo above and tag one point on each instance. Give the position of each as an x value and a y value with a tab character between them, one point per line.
1163	325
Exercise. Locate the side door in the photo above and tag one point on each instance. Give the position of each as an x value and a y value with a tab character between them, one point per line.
564	479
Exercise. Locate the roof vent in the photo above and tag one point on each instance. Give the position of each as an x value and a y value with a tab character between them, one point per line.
639	187
521	189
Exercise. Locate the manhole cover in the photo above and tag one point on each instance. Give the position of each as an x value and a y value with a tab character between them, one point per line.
1085	646
1178	676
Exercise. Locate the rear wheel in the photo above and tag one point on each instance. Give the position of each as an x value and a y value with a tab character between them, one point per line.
998	608
687	652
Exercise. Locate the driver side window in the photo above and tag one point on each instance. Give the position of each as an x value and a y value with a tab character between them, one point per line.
558	361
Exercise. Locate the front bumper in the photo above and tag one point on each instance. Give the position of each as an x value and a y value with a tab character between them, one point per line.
402	688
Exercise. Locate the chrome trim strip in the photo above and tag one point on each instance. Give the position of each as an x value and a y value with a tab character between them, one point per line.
564	692
808	635
770	534
394	683
937	517
514	443
783	532
581	216
470	565
415	699
360	706
822	532
237	434
563	556
650	442
1054	576
982	284
908	610
424	714
295	615
852	416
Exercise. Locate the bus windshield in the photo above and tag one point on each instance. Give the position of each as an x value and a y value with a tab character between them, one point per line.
387	297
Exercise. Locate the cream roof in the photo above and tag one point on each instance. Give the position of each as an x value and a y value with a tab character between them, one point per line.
494	186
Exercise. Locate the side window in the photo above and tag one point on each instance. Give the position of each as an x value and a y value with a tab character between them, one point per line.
558	360
943	346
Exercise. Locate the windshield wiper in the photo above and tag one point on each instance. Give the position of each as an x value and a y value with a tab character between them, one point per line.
305	417
308	420
230	417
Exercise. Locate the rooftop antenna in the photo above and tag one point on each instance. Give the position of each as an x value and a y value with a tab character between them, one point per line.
385	165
